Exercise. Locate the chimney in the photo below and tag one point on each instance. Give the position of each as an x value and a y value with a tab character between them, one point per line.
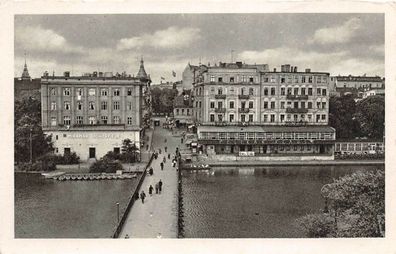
239	64
274	69
66	74
95	74
287	67
307	70
295	68
282	68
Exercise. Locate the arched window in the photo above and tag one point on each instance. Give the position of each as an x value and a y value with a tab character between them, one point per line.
251	91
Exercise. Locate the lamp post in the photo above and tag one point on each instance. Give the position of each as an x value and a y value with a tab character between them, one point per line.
31	146
118	213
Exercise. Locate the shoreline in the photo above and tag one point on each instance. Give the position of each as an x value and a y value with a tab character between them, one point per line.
214	164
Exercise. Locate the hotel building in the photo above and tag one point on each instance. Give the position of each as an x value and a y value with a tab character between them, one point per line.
92	114
248	111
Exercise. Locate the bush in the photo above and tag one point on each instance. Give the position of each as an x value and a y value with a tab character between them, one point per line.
37	166
105	165
66	159
113	156
317	225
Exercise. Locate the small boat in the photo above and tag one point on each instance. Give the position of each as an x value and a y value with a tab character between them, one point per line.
91	177
67	177
79	177
85	177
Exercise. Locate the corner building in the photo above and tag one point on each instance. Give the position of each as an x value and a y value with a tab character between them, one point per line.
248	111
92	114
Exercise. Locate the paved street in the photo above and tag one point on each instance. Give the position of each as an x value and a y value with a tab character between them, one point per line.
157	217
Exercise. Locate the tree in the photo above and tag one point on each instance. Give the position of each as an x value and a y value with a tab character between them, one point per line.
162	99
129	151
356	205
28	122
370	112
341	117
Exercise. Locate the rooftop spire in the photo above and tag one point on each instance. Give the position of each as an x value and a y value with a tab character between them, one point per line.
25	73
142	72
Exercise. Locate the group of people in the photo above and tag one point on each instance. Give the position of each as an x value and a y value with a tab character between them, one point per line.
158	189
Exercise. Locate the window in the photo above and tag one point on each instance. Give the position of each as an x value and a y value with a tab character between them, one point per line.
318	104
103	105
212	78
265	91
317	118
251	91
231	118
182	111
243	118
116	92
296	104
318	91
323	105
66	120
265	118
219	104
91	92
272	118
212	90
283	80
220	91
303	91
282	118
92	120
67	105
103	119
79	119
91	105
53	91
129	105
282	105
265	104
220	118
295	118
53	121
309	118
212	104
129	120
303	79
289	91
212	118
296	91
272	104
303	104
232	79
231	89
250	118
324	92
116	105
231	104
53	105
310	104
323	117
177	111
310	91
310	79
242	91
188	111
66	91
104	92
251	80
220	79
79	106
80	92
250	104
283	91
129	92
272	90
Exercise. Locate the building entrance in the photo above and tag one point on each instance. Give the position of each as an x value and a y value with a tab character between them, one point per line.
92	152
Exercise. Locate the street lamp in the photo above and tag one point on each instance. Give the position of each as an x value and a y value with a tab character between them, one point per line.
31	146
118	213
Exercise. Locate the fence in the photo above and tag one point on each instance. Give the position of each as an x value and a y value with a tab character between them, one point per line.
180	211
131	201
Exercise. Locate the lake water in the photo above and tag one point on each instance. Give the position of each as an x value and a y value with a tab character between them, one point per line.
46	208
254	203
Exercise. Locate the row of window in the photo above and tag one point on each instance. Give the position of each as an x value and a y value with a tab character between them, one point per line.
272	104
272	91
270	118
91	105
271	79
267	135
91	91
182	111
91	120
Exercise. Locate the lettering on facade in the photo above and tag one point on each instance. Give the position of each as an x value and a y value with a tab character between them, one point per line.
95	136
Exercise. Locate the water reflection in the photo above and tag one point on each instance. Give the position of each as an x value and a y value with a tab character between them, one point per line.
254	202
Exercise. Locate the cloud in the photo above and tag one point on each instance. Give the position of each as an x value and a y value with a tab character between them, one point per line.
171	38
337	34
38	39
339	62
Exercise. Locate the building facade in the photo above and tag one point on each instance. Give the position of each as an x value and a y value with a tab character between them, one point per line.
92	114
183	110
355	85
247	110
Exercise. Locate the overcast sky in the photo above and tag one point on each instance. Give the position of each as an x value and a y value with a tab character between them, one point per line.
336	43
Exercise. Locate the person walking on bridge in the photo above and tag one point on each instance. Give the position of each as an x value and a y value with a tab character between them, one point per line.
162	166
160	185
142	196
151	190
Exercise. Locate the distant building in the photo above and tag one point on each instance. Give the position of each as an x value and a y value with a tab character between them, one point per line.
355	85
25	86
183	110
92	114
372	92
246	110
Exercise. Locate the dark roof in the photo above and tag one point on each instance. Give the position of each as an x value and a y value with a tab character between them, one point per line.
267	128
181	102
359	78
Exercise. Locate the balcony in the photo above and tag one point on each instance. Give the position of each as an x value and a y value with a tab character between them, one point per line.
220	110
296	110
243	110
243	97
220	123
297	97
220	96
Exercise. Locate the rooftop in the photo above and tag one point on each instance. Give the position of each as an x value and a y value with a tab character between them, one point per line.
359	78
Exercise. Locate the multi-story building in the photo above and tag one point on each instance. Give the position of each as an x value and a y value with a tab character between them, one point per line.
247	110
183	110
355	85
92	114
